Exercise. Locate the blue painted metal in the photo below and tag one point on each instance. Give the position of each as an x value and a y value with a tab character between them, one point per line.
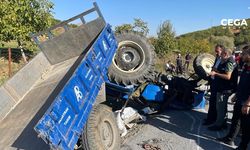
119	91
199	101
153	93
63	122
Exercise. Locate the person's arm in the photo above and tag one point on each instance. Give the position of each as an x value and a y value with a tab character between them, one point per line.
246	107
227	76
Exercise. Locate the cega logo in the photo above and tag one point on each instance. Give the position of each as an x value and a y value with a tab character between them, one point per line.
234	22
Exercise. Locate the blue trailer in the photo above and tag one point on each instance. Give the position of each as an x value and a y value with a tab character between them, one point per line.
66	120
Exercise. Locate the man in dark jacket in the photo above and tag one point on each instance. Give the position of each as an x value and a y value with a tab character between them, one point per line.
243	95
179	64
212	115
187	61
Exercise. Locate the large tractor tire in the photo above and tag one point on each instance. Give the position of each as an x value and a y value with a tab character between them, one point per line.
134	59
203	64
101	131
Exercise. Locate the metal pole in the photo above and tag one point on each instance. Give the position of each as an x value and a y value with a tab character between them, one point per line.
9	51
98	10
83	20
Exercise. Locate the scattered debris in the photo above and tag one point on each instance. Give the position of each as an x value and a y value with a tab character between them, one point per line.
120	123
150	147
148	110
127	117
151	144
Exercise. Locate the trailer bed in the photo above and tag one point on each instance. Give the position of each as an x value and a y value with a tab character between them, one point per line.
17	129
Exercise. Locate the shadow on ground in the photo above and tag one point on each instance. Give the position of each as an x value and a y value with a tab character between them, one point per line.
188	125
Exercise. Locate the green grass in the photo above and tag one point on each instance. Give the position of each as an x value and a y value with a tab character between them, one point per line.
3	79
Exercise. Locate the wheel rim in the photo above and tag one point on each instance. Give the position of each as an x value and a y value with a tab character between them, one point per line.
107	134
129	57
207	64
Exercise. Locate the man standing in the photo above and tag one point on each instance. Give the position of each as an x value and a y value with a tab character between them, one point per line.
243	95
179	64
187	61
211	115
224	88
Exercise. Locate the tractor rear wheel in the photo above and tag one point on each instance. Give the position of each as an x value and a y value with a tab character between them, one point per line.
134	59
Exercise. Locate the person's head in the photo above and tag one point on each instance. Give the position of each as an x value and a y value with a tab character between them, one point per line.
245	55
218	49
226	53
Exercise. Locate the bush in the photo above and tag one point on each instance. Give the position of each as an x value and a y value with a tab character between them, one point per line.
193	46
228	42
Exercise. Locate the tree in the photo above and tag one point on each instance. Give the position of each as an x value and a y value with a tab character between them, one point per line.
228	42
201	46
192	45
166	38
185	44
239	39
243	35
152	40
19	18
222	31
246	35
138	26
124	27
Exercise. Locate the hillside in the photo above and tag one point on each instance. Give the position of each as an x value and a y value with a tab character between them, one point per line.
239	35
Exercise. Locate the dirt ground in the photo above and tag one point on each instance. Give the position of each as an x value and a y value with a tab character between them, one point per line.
4	68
